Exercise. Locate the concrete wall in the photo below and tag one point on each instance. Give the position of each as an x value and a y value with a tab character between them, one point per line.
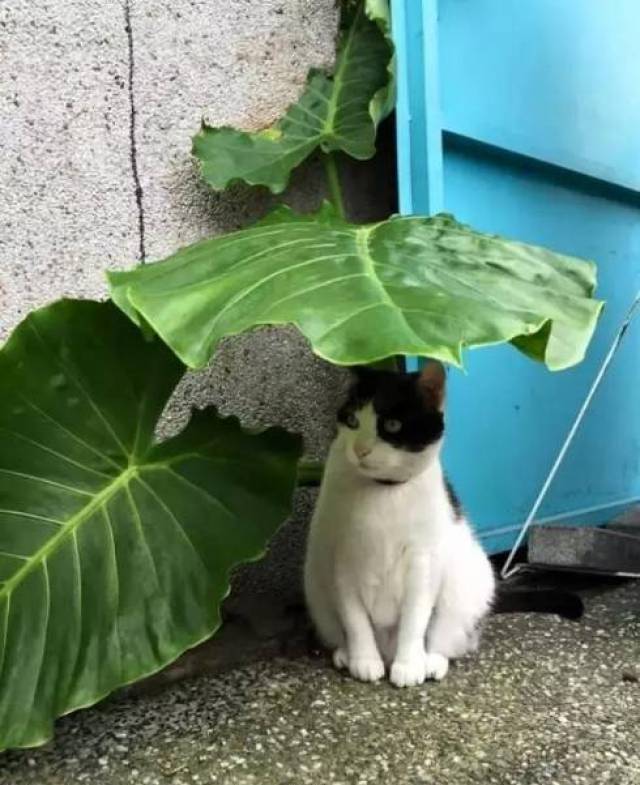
98	95
98	103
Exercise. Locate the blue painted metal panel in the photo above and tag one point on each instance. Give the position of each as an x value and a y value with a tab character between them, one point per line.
507	415
420	135
513	412
557	81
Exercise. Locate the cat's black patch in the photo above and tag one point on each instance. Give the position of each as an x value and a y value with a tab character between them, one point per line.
396	399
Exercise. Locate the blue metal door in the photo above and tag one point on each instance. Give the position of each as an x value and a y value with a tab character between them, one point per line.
522	117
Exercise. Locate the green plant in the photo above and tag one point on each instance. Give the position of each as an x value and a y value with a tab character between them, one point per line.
115	550
336	112
423	286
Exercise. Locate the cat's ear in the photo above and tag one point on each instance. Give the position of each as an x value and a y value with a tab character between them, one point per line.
431	383
362	371
365	377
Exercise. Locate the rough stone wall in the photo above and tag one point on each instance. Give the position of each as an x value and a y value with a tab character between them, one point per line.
98	103
100	98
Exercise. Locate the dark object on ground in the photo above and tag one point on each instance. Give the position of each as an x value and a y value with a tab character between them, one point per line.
631	676
558	601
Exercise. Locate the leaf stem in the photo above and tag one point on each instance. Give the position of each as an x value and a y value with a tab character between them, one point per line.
333	183
310	473
388	364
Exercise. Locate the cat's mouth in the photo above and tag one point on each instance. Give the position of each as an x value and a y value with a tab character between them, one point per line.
379	474
367	468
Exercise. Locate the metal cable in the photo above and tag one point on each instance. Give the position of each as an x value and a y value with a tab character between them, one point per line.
507	570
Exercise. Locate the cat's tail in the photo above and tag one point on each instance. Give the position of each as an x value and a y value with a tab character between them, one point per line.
562	603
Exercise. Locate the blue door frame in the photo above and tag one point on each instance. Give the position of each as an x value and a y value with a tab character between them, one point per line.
521	117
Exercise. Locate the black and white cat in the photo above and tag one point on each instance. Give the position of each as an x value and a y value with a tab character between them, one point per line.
394	576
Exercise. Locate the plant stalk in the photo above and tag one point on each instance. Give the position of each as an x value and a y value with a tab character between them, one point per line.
310	473
388	364
333	183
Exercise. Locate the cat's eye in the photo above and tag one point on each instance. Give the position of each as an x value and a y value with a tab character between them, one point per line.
392	426
351	421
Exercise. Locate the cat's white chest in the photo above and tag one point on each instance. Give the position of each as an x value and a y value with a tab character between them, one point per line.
380	577
377	538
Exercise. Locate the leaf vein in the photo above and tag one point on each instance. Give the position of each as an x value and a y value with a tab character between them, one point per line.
79	385
54	452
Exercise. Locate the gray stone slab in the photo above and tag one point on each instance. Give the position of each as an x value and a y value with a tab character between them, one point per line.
67	205
584	548
628	523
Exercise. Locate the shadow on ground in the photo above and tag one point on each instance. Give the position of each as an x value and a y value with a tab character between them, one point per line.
545	701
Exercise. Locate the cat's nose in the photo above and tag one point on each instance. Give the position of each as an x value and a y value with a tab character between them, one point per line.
361	450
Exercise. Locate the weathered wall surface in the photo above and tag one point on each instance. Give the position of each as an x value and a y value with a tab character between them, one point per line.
99	98
67	206
98	104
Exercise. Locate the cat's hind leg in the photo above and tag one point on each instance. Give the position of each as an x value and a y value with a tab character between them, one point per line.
465	598
449	636
330	632
322	610
454	630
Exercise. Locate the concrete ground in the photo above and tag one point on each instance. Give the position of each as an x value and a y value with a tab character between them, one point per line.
546	701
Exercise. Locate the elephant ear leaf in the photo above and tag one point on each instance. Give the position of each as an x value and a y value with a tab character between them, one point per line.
115	550
361	293
337	112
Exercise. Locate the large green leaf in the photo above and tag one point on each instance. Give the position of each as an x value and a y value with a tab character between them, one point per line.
413	286
338	112
114	550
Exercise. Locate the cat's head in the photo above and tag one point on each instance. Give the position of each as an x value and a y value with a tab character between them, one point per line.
392	424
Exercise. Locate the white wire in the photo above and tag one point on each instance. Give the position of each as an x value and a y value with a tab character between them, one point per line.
506	572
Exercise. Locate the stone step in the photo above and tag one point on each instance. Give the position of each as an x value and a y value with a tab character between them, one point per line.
628	523
614	549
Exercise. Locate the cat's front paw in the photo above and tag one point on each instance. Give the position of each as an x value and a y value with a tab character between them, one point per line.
409	672
340	659
366	668
362	668
437	666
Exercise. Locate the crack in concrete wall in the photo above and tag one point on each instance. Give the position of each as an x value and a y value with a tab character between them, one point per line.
132	132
